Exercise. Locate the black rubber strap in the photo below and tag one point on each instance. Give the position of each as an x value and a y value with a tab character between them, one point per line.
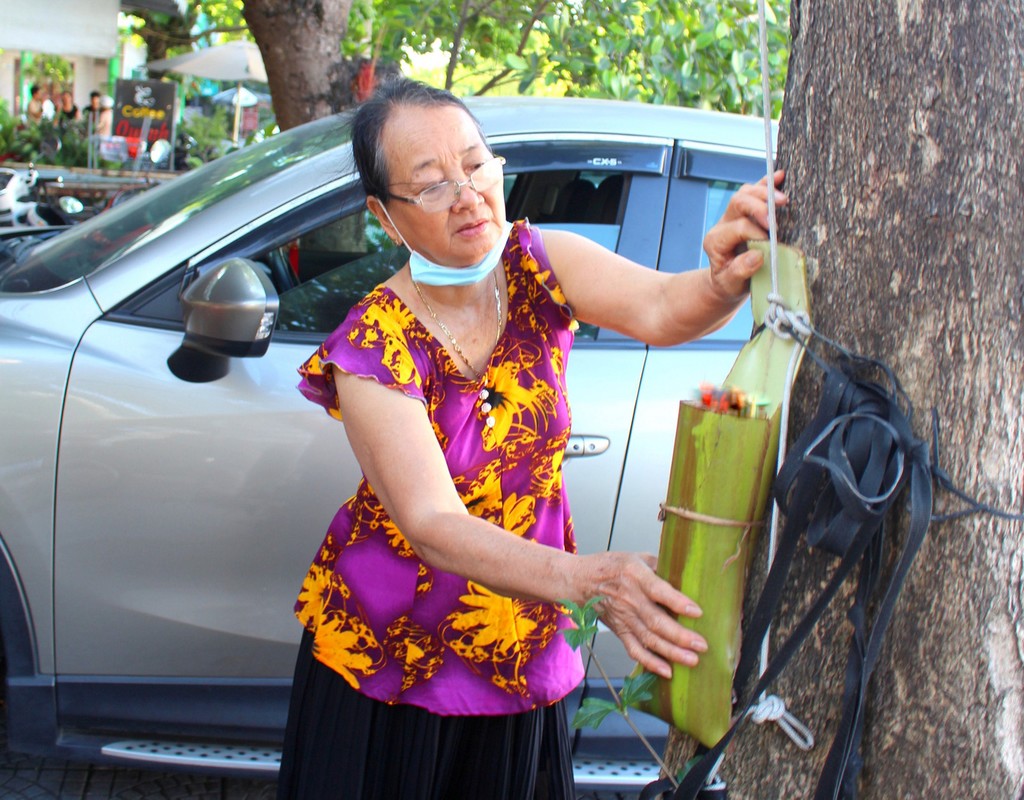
841	477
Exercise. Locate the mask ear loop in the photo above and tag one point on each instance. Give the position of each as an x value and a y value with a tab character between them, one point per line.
391	222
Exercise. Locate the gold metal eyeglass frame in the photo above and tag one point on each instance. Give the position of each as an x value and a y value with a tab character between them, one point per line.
447	193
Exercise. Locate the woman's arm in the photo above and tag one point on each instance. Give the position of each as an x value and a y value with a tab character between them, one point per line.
664	308
400	457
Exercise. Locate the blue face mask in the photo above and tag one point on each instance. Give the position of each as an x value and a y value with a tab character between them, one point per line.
425	271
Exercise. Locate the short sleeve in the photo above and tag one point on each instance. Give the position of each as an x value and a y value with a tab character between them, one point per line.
373	342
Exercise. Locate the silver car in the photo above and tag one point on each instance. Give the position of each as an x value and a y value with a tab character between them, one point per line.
164	486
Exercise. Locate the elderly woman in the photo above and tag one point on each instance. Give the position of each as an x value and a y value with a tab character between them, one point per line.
433	664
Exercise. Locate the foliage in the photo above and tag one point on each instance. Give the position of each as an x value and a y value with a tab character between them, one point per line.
44	143
635	689
702	53
50	71
209	134
167	35
8	128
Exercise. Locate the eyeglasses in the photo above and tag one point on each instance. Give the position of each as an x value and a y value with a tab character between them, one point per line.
442	196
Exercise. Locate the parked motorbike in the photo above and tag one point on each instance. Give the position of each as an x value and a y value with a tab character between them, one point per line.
20	204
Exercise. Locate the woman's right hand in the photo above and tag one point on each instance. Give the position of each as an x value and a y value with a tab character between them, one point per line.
641	608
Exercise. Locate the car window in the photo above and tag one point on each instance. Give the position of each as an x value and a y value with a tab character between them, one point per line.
87	247
582	201
740	326
324	256
335	266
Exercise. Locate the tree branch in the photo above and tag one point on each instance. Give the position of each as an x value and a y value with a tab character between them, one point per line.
538	11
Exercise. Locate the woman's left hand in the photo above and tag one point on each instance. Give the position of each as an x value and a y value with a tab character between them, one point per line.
745	219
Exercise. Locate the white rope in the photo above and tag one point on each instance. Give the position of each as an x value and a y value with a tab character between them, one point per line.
783	322
773	709
769	149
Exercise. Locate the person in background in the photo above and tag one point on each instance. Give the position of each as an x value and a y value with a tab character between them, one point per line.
105	121
34	111
433	665
92	111
49	109
67	111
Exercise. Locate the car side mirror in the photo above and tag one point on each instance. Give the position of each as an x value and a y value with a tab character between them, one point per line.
229	311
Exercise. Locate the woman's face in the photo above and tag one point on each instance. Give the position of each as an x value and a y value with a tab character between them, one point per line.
423	147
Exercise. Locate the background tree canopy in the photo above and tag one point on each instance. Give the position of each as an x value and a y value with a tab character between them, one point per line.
682	52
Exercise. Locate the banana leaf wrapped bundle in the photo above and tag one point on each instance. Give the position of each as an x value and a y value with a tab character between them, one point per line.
723	465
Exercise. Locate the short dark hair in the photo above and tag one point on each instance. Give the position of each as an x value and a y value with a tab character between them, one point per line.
94	94
372	116
35	87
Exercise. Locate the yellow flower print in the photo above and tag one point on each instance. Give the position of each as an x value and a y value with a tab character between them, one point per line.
424	579
546	472
482	496
372	518
558	362
349	647
492	624
499	632
314	368
518	514
313	597
516	409
388	324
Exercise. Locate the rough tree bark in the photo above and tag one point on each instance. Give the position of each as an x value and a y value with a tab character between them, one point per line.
300	42
901	135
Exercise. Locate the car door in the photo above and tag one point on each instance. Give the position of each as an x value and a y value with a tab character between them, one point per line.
188	511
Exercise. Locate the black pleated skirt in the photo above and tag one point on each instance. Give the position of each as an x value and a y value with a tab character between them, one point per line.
342	745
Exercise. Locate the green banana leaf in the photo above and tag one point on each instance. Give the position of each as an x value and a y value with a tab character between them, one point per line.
722	470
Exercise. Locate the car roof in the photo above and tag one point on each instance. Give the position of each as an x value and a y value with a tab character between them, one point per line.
509	116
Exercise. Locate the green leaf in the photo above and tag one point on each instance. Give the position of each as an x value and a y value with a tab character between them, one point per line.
637	689
517	61
584	618
704	40
592	712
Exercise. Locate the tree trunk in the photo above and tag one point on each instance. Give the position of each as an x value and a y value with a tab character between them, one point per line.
901	135
300	41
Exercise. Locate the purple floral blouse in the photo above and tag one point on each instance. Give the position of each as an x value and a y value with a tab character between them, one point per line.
397	629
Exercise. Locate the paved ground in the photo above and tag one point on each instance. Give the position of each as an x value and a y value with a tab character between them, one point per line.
26	778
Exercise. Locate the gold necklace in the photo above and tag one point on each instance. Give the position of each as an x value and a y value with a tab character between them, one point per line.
477	373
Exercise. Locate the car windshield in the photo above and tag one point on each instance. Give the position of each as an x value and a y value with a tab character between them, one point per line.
84	248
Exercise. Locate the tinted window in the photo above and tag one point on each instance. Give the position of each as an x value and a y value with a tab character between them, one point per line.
337	264
719	192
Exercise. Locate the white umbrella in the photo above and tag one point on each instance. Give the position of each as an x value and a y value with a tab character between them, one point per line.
234	61
242	96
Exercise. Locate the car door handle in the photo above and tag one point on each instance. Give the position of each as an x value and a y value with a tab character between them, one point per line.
586	446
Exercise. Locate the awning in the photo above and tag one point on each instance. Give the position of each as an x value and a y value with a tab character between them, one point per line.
71	27
164	6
